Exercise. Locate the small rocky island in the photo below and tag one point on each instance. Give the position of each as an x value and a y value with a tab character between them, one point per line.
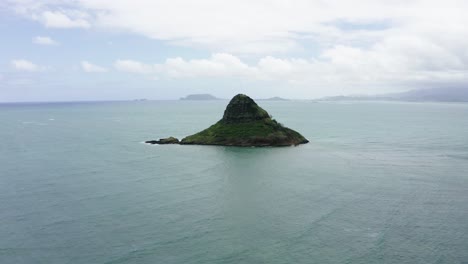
244	124
199	97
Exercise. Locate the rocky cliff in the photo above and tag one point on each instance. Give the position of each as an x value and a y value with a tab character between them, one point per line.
244	123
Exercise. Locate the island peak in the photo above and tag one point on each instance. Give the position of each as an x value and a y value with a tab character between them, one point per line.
242	109
244	124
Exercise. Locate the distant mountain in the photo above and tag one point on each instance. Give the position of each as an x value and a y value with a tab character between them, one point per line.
276	98
458	94
357	98
199	97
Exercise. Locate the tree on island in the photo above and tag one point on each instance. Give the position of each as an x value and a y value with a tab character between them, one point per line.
245	124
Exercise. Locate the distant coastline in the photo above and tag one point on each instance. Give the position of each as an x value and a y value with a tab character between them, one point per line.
276	98
455	95
447	95
199	97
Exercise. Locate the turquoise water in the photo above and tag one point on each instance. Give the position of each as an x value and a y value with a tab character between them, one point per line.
379	183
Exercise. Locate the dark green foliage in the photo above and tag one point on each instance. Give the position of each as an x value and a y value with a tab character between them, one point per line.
169	140
246	124
242	109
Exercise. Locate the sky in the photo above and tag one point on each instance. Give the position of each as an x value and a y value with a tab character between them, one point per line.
55	50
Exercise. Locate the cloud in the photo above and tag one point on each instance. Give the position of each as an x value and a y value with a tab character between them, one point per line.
132	66
57	19
246	26
261	27
337	66
45	41
89	67
219	65
25	65
307	42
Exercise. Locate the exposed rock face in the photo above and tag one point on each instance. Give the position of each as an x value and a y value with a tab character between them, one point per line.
242	109
244	123
169	140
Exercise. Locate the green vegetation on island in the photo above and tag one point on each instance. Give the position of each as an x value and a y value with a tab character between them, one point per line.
169	140
244	123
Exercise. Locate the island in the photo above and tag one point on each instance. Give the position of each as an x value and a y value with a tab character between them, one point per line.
244	124
199	97
276	98
162	141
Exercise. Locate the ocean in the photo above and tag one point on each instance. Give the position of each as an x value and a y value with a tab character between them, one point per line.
379	182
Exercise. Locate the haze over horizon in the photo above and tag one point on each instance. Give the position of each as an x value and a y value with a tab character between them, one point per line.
54	50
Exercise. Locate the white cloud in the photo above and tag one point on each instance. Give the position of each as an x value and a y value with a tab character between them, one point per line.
220	64
44	41
133	66
339	65
25	65
254	26
89	67
57	19
333	42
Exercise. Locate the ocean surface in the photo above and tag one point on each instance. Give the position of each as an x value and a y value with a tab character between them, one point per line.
378	183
